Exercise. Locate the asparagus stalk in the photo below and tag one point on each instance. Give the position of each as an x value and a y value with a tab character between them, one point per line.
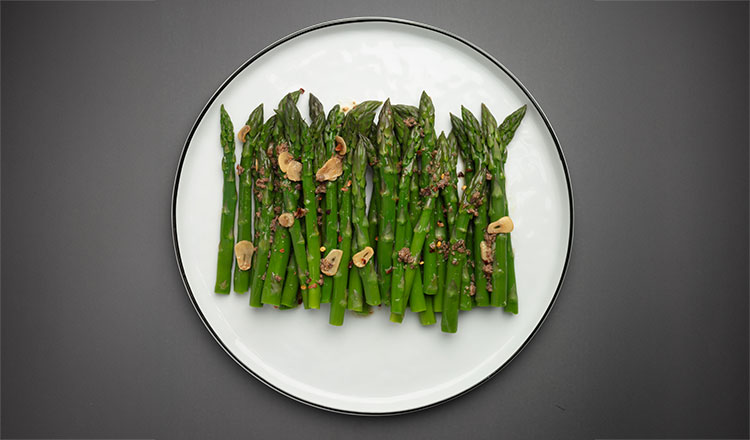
341	278
388	154
332	128
355	298
441	243
467	286
430	166
359	220
398	281
264	199
472	196
273	279
318	117
357	120
245	204
372	217
311	218
429	179
229	205
428	316
473	132
450	192
293	132
503	274
291	286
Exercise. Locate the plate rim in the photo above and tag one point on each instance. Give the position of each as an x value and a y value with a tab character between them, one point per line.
337	22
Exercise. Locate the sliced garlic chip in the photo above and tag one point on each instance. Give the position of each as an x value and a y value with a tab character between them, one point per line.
330	170
502	225
361	258
294	171
286	219
330	264
244	250
285	158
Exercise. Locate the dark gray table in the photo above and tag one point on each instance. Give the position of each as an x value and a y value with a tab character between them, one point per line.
648	339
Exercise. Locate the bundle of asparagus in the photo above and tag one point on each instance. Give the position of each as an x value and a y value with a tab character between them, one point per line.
304	232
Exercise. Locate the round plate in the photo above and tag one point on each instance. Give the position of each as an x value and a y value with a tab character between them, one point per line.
370	365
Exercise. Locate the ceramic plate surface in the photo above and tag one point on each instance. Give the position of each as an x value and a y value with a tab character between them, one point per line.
370	365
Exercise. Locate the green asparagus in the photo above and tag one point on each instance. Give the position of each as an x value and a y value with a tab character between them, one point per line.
229	206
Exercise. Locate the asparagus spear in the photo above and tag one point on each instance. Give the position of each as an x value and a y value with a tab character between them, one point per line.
229	205
372	219
477	142
388	153
244	210
332	128
467	286
430	166
428	190
359	220
472	196
355	298
296	135
398	282
441	242
357	120
373	213
311	219
318	117
291	286
503	279
450	192
264	199
407	256
428	316
273	279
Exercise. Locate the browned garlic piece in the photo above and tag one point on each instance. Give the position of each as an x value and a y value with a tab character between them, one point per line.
294	171
361	258
244	250
330	264
340	147
286	219
285	158
502	225
242	134
330	170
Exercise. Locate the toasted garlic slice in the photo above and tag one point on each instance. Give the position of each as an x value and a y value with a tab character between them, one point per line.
486	252
286	219
242	134
330	170
330	264
294	171
340	145
285	158
361	258
244	250
502	225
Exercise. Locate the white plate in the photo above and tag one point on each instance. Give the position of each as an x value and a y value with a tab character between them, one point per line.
370	365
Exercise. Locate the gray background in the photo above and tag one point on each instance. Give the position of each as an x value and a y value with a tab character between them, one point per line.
649	336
